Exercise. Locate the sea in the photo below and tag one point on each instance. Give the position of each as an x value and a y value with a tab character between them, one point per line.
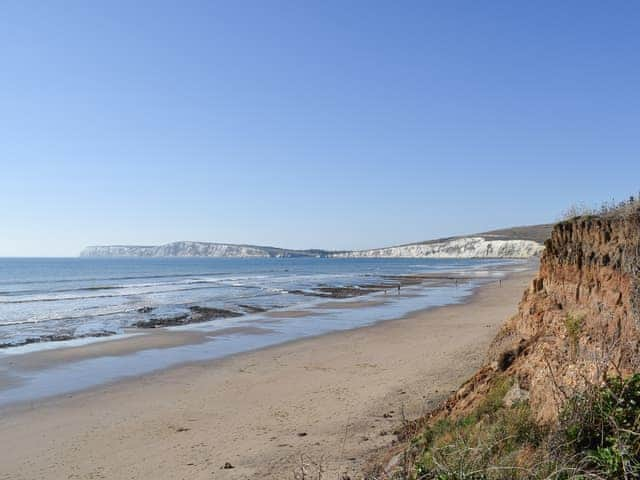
52	303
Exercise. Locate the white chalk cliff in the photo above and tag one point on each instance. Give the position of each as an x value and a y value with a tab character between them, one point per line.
497	244
463	247
194	249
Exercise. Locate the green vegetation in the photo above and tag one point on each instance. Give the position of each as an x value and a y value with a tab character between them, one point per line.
597	436
493	442
573	323
602	426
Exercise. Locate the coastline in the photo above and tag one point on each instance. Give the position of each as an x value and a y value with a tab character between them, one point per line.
31	373
338	389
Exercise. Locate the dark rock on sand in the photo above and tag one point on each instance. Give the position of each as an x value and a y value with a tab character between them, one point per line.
163	322
345	292
203	314
334	292
55	337
197	315
252	308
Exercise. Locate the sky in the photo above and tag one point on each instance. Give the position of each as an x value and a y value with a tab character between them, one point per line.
315	124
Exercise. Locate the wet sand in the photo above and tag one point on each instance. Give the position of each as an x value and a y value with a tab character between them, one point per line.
288	313
323	402
349	304
157	338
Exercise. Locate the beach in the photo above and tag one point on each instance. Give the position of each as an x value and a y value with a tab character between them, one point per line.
323	403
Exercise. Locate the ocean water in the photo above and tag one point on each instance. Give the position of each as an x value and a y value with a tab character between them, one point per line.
44	299
83	299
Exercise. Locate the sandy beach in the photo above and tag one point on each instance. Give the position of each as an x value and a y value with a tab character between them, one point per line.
323	403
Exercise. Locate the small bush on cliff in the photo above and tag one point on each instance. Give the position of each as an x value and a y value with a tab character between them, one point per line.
598	436
573	323
602	426
493	442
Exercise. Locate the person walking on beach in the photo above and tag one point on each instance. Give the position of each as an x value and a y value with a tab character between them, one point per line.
398	289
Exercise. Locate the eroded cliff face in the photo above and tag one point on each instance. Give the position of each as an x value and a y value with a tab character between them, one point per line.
577	321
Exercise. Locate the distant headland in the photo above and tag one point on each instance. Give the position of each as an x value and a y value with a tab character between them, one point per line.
515	242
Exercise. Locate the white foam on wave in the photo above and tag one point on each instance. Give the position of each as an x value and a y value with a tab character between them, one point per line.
74	342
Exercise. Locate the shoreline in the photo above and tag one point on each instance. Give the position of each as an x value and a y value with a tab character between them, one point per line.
259	401
15	368
45	373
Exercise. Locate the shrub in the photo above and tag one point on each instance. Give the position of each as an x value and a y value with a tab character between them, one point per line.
602	425
598	436
493	442
573	323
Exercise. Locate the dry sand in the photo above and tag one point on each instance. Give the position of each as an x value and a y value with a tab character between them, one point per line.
318	402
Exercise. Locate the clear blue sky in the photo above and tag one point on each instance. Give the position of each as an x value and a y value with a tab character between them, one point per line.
309	124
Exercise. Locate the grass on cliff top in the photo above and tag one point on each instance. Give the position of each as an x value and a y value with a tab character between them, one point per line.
597	437
605	209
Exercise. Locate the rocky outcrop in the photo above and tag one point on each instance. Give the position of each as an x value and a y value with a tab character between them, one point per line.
578	321
196	314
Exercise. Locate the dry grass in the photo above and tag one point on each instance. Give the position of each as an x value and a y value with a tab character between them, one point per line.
605	209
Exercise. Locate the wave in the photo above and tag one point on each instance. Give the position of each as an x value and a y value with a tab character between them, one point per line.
88	297
127	290
96	279
65	317
74	312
